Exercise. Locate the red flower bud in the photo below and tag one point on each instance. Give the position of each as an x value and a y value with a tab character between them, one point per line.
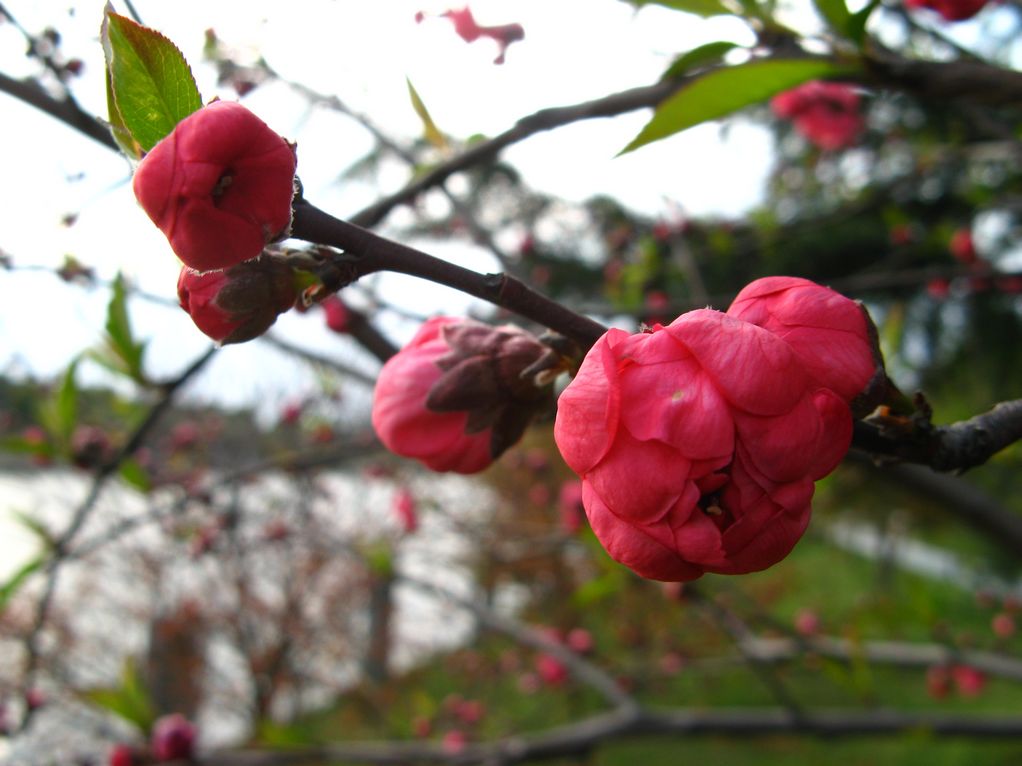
406	510
827	113
951	10
338	317
173	738
455	397
963	248
219	186
240	303
466	27
698	445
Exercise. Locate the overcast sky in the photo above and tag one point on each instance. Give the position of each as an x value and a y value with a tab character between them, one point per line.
361	51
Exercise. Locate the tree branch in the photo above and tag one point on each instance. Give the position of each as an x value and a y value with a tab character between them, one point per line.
366	253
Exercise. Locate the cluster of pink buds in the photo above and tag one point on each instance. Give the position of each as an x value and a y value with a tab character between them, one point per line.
827	113
220	188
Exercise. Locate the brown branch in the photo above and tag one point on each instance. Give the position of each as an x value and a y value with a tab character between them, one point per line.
965	80
366	253
66	110
955	447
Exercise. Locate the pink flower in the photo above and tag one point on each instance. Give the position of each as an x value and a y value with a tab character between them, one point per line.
829	333
454	397
173	738
698	445
951	10
406	510
239	303
827	113
466	27
338	317
219	186
579	640
938	288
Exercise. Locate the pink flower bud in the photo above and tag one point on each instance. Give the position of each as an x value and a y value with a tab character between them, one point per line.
124	755
454	741
827	113
807	622
1003	625
698	445
579	640
455	397
338	318
90	447
239	303
951	10
173	738
219	186
829	333
963	248
969	680
406	511
550	670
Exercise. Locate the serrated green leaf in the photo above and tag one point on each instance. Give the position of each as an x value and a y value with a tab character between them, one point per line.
835	13
151	84
122	136
704	8
18	579
711	53
432	133
725	91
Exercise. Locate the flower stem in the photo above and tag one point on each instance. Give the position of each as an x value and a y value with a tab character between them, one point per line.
366	253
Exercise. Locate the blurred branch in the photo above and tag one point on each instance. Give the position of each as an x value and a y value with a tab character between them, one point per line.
102	475
543	120
582	669
583	736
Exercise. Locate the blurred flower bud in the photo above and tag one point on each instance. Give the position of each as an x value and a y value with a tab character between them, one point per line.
173	738
338	317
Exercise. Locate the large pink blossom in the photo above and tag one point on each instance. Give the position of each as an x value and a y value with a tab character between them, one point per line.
827	113
828	332
219	186
698	445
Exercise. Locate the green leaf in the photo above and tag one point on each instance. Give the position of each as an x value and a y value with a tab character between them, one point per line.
59	414
135	475
151	84
856	27
127	353
432	133
13	585
129	700
725	91
122	136
835	13
704	8
36	527
711	53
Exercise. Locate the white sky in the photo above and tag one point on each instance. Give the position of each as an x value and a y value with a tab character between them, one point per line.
361	51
